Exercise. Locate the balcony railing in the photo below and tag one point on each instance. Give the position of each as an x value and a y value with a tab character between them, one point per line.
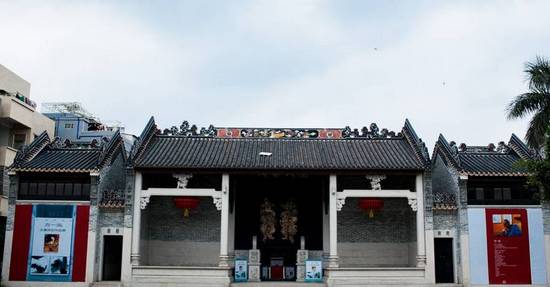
15	110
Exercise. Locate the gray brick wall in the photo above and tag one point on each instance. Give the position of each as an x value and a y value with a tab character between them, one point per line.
446	179
394	223
428	200
129	190
4	181
14	185
109	217
546	217
170	239
167	223
388	239
445	219
442	178
113	176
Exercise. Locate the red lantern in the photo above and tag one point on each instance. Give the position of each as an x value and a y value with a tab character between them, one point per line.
371	205
186	203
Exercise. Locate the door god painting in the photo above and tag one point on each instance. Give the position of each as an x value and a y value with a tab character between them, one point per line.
268	220
289	221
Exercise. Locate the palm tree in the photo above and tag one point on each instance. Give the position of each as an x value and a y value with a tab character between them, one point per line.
536	102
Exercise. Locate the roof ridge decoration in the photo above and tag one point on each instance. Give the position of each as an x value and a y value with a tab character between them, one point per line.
416	143
373	133
109	148
279	133
187	130
501	148
190	130
148	132
519	147
28	152
94	145
448	150
489	160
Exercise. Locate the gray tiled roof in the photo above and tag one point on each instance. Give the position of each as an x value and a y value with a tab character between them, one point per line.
484	160
490	163
61	160
44	156
286	154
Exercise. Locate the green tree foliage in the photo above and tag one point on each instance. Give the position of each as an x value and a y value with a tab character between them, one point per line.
535	102
540	171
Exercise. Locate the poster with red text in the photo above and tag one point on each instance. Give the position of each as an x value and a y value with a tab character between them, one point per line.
508	246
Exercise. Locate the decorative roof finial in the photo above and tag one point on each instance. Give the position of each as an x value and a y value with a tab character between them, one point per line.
502	148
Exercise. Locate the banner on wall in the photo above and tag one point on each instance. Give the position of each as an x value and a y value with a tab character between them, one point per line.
508	246
52	237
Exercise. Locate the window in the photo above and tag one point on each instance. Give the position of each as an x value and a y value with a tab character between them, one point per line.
69	126
497	193
479	193
506	193
53	190
18	140
501	191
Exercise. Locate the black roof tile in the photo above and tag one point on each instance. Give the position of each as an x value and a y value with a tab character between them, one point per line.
484	160
490	163
183	152
63	160
45	156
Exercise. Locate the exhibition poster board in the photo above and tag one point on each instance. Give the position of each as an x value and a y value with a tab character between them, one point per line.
51	244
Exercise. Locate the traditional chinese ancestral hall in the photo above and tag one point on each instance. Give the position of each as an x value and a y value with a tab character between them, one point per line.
225	206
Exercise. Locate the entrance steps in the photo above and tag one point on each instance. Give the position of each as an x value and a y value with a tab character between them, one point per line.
277	284
107	284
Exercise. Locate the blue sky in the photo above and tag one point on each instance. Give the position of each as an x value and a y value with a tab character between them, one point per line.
451	67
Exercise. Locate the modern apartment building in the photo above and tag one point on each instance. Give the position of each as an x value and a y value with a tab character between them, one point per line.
74	123
20	123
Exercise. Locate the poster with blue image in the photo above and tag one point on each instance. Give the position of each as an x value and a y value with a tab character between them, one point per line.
52	239
241	270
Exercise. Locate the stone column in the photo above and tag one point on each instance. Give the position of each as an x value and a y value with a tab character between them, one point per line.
231	239
8	239
333	226
420	241
136	220
224	236
92	273
326	230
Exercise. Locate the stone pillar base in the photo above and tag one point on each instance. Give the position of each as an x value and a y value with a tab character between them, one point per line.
300	272
224	261
333	261
134	259
254	273
421	261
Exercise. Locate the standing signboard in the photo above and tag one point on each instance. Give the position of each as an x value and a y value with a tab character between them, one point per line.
51	244
241	270
314	271
508	246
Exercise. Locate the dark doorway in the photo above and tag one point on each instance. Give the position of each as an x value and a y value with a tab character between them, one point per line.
112	258
278	255
444	266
